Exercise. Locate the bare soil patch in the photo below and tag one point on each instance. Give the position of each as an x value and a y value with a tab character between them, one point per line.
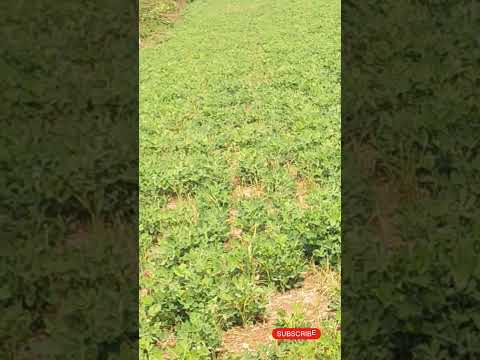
312	298
175	203
302	190
247	191
169	16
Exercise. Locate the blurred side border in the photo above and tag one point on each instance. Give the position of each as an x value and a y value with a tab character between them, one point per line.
69	180
410	169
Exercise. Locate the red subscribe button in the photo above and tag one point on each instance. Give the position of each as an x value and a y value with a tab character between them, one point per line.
296	333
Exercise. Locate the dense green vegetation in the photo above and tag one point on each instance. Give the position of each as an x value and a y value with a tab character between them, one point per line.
69	182
413	292
240	169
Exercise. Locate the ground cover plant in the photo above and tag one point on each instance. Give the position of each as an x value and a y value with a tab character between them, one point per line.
239	171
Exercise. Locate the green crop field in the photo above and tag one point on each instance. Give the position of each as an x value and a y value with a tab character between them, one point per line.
239	173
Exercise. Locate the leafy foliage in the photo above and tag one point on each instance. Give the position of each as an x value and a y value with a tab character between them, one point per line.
325	348
238	108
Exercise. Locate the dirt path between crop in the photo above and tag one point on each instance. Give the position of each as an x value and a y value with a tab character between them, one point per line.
312	298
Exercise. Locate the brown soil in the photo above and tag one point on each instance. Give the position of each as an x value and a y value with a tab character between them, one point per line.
171	17
174	15
303	185
235	233
247	192
302	189
182	203
312	298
